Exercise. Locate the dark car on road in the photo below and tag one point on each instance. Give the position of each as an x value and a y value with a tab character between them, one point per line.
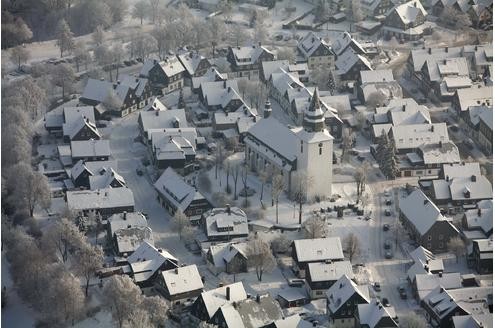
386	227
388	254
402	293
388	213
388	244
377	287
385	302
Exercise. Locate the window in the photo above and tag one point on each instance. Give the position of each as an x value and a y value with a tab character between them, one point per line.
440	237
429	237
320	150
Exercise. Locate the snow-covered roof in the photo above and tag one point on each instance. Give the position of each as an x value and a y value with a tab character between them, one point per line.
216	298
450	67
147	259
163	119
428	281
125	220
191	61
138	84
173	187
223	253
412	136
72	113
100	199
220	92
480	218
407	114
293	321
409	11
309	43
72	128
370	315
420	211
348	59
226	222
343	290
473	321
171	144
251	313
211	75
487	118
346	40
381	75
273	66
182	279
461	170
248	55
129	239
321	271
78	168
90	148
319	249
446	152
97	90
292	294
104	177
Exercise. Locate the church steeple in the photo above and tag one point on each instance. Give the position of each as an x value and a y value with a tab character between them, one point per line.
314	120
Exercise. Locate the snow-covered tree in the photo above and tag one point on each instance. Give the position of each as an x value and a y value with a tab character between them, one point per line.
286	53
123	298
61	238
65	38
179	222
360	176
19	55
260	256
352	245
281	244
140	10
385	156
301	181
157	309
63	76
412	321
314	227
81	55
89	260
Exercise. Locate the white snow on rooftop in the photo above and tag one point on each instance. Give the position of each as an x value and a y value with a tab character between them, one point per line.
182	279
320	249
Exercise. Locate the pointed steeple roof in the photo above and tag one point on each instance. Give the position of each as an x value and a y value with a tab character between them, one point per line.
315	106
314	119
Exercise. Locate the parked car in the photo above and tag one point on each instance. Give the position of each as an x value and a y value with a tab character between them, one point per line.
139	172
386	227
387	212
385	301
388	202
296	282
388	244
402	292
388	254
377	287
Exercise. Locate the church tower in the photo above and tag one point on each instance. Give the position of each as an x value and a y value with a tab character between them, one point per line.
268	109
315	151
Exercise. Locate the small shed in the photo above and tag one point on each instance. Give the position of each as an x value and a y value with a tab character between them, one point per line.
292	297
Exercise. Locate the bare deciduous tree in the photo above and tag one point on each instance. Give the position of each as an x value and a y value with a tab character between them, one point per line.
260	256
62	237
281	244
314	227
123	297
376	99
352	245
204	182
264	175
65	38
98	35
286	53
19	55
64	299
63	76
236	170
412	321
360	176
157	309
301	182
81	55
89	260
179	222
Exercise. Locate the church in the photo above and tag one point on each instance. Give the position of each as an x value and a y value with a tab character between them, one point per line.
290	151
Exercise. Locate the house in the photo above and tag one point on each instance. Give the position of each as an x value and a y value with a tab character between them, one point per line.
104	201
293	321
375	315
483	255
176	194
90	150
157	117
246	61
180	284
425	223
141	88
424	283
221	95
374	8
424	262
405	21
481	13
81	128
485	135
174	147
211	75
124	220
350	64
195	65
320	276
342	300
116	98
292	297
441	304
165	76
227	257
56	122
316	51
146	263
307	149
80	174
249	313
306	251
460	187
209	302
346	41
472	321
223	224
428	159
106	178
408	137
126	240
379	82
479	219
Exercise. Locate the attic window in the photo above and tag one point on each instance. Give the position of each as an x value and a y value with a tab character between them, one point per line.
319	252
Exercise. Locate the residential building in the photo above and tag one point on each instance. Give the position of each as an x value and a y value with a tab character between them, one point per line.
375	315
307	149
306	251
211	75
246	61
342	300
195	65
485	134
479	219
141	88
80	129
405	21
174	147
425	223
126	240
250	313
106	178
224	224
424	283
157	118
320	276
482	255
180	284
345	42
374	8
294	320
175	194
146	263
209	302
442	305
165	76
227	257
80	174
408	138
221	95
350	64
425	262
104	202
292	297
316	51
379	84
124	220
90	150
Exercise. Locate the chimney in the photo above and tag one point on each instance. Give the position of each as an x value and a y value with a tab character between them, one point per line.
315	323
176	270
446	49
429	51
432	128
479	211
228	209
268	109
447	178
228	90
227	293
258	298
259	43
415	4
445	61
403	108
124	215
473	178
440	274
427	269
118	81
